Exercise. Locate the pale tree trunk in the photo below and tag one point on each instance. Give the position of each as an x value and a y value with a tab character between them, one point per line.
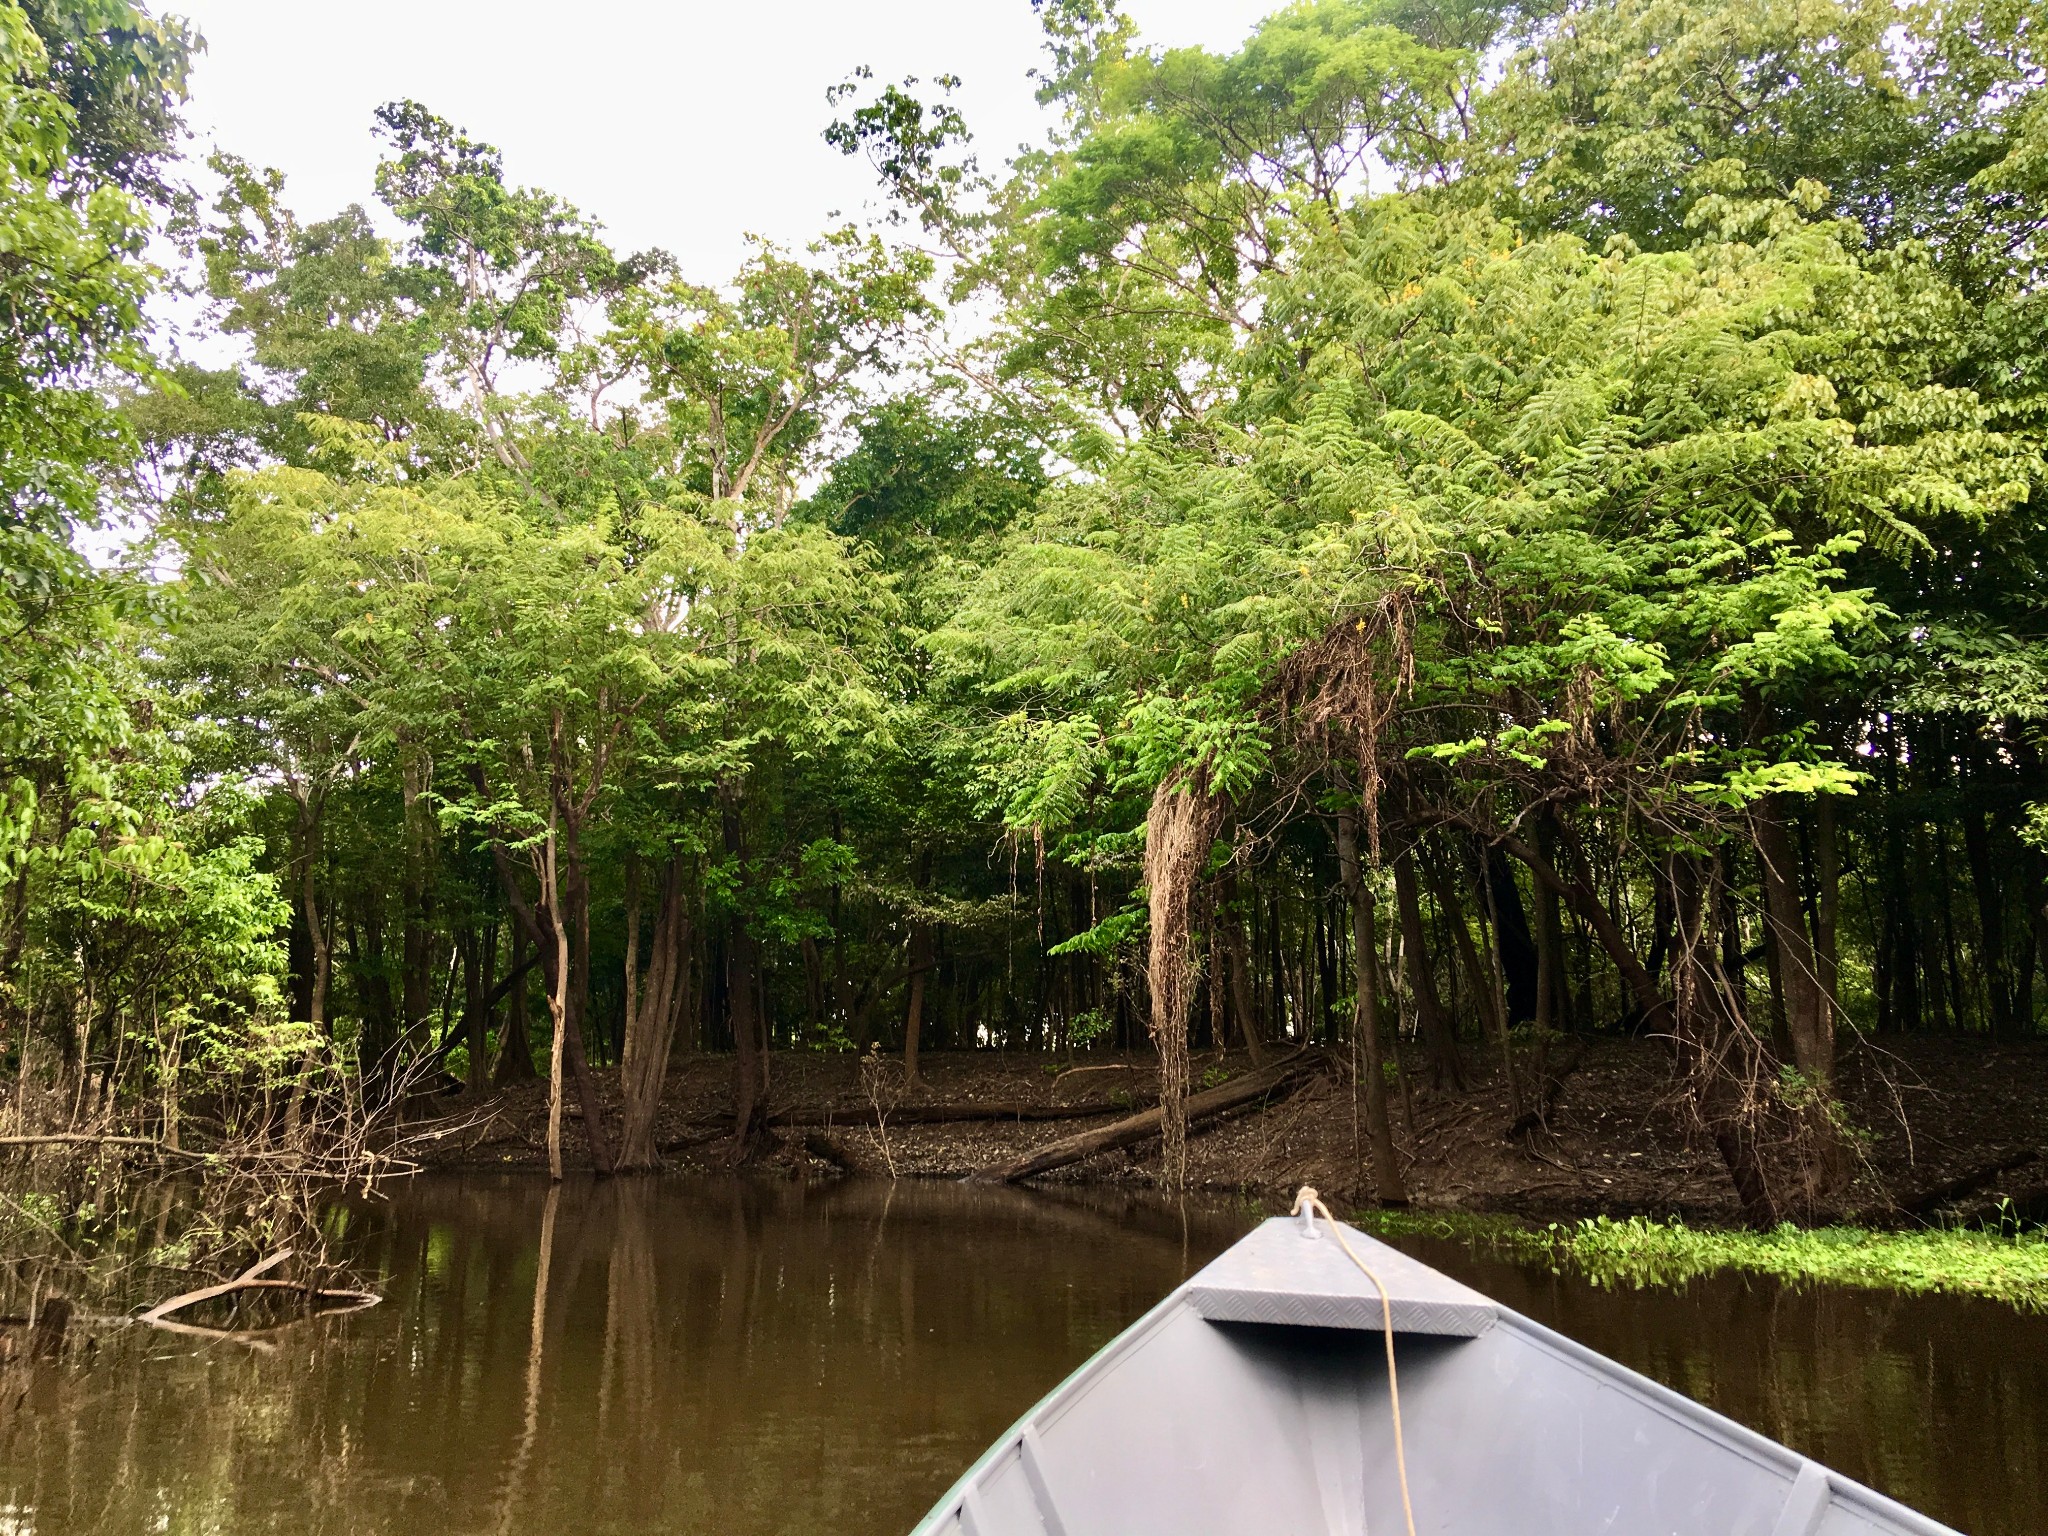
1365	1025
1179	831
654	1004
558	1005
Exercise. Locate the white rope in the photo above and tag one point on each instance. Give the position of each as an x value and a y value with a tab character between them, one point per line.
1309	1201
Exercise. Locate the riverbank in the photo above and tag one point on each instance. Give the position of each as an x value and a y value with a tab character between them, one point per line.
1949	1132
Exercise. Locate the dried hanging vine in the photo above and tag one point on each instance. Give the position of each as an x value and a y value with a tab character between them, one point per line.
1179	832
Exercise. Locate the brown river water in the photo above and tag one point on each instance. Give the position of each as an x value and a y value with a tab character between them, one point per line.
739	1358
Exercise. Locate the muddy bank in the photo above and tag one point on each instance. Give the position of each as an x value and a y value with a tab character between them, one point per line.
1945	1129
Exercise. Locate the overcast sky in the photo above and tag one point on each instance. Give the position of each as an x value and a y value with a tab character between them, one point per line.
684	125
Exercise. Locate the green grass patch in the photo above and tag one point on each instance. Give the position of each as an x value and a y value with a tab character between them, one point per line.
2008	1265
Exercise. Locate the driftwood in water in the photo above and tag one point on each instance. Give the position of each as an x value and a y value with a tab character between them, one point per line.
1206	1105
254	1278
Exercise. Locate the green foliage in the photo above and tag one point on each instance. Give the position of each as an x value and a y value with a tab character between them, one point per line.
1612	426
2005	1264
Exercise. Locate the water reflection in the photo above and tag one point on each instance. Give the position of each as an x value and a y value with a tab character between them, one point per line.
689	1357
637	1356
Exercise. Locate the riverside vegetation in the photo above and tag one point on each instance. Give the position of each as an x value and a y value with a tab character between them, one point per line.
1453	531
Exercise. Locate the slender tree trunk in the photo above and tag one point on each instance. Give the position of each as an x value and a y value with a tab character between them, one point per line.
913	1012
1480	977
470	946
1438	1037
515	1046
575	926
741	990
1520	958
1988	889
1230	919
558	1007
1386	1163
1716	1049
548	930
1809	1019
321	942
1737	1147
920	959
1557	1002
416	941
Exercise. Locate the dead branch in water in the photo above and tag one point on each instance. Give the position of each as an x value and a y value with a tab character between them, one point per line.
255	1278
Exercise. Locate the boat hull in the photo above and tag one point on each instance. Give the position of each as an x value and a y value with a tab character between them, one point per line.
1253	1402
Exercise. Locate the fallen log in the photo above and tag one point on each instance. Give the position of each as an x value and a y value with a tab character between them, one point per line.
940	1114
1208	1104
1928	1200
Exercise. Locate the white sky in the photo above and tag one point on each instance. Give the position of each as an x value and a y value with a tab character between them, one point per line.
685	125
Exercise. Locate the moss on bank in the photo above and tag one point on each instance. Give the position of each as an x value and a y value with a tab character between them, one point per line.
2009	1265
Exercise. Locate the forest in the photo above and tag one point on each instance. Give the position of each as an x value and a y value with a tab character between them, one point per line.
1456	527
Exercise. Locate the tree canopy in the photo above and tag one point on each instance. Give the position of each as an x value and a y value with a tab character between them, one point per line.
1572	472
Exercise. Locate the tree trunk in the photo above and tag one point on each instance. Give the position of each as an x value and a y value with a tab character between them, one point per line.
1480	977
1988	889
913	1012
1237	962
1520	958
1714	1044
1806	971
416	942
1809	1019
654	1005
515	1046
558	1006
749	1087
550	937
1438	1037
920	959
475	1010
1386	1164
1550	938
